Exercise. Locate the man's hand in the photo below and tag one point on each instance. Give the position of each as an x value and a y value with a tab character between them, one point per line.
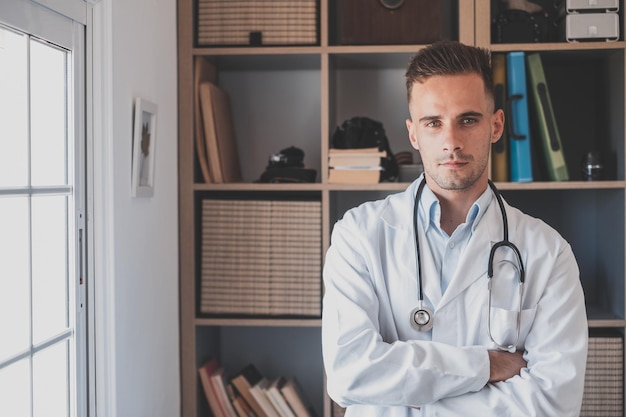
504	365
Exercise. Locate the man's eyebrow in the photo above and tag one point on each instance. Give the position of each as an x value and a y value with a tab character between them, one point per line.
429	118
463	115
470	114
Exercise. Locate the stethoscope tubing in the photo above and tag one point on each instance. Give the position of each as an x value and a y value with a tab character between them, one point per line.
504	243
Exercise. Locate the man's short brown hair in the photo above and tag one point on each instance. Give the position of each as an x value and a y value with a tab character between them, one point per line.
449	58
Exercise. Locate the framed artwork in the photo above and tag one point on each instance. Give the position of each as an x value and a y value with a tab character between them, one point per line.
144	145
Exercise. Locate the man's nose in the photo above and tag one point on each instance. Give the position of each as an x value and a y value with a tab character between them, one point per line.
451	139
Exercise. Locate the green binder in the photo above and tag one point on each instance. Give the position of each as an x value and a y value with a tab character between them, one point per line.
548	129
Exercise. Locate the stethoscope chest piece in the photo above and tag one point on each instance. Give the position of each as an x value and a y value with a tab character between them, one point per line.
421	319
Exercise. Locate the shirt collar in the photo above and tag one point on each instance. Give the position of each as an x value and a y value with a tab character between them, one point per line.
432	209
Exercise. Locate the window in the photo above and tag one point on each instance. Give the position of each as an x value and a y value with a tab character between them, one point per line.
42	284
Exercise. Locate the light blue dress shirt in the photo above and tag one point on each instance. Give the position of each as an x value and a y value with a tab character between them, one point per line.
446	249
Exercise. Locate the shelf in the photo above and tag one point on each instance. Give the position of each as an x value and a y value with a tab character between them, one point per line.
558	46
561	185
305	50
601	323
397	186
254	322
387	49
254	186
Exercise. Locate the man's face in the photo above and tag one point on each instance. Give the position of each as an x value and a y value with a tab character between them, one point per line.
453	126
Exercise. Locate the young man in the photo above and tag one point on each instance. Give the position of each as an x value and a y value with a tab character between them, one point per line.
495	348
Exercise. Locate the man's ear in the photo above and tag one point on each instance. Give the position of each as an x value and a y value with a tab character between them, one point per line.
497	125
412	138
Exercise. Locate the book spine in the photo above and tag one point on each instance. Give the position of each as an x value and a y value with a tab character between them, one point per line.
500	149
548	129
519	126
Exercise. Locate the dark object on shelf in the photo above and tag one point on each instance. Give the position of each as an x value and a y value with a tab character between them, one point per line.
287	166
592	166
363	132
540	21
384	22
288	157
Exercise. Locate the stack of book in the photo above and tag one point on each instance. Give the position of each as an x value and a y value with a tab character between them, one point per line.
249	394
355	166
261	257
257	22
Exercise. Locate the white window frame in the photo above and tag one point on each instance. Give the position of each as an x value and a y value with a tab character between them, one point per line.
95	95
67	36
101	201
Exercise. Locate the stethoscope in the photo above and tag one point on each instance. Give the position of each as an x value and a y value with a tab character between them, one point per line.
421	317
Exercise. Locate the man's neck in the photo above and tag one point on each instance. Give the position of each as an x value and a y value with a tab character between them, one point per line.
455	204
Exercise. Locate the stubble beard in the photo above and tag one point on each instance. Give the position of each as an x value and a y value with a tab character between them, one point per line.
458	180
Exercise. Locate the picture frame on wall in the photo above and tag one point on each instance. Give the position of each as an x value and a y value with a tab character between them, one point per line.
144	146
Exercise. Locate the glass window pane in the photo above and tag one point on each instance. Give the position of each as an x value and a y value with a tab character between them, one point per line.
50	382
48	89
15	389
14	277
13	109
49	266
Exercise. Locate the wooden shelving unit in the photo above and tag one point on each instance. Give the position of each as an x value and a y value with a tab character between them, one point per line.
297	95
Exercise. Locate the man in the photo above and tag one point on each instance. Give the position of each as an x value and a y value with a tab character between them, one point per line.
488	353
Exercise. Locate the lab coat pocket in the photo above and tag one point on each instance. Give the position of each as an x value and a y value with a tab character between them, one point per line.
504	325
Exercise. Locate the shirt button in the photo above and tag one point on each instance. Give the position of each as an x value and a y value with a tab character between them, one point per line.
451	245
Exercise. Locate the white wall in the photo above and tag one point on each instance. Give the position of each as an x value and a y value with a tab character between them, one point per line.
145	230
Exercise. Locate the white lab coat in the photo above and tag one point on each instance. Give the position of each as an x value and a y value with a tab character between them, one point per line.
377	365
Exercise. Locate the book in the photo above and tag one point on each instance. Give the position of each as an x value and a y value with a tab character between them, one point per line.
548	129
208	120
356	151
357	158
211	377
243	381
217	380
258	392
273	393
242	408
500	149
219	130
226	138
519	124
353	161
354	176
203	72
291	392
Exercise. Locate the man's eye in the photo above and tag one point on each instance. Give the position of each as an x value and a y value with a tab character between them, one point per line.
434	123
468	121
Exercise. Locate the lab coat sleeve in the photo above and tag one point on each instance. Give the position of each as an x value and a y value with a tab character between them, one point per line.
361	367
555	351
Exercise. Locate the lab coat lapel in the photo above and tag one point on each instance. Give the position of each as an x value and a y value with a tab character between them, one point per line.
431	281
399	217
473	264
